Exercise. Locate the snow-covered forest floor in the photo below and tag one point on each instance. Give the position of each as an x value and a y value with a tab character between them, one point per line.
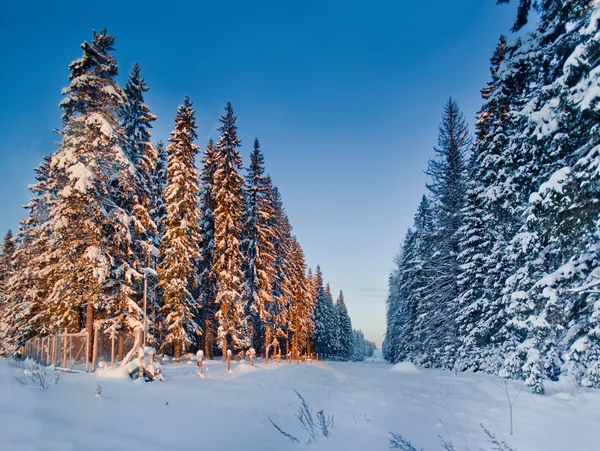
231	410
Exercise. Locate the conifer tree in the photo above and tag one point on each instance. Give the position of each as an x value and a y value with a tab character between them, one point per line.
208	279
259	249
137	122
25	312
89	177
487	226
301	303
282	284
181	242
158	210
228	215
158	214
6	255
324	320
344	330
448	187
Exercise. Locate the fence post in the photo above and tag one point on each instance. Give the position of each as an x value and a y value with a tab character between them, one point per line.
200	355
64	350
95	349
54	348
112	351
121	345
141	363
229	360
87	352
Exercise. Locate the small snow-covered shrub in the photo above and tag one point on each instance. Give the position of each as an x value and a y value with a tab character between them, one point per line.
498	445
398	441
321	427
36	376
16	362
99	390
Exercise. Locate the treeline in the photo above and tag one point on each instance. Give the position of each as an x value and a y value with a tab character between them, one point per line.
501	270
113	213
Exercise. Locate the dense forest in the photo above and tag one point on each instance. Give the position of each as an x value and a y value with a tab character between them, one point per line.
114	214
501	270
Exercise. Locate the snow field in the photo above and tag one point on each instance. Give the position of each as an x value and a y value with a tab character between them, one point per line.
224	411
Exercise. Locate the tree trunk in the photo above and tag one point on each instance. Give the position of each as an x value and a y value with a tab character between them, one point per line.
207	337
267	343
89	328
121	345
177	350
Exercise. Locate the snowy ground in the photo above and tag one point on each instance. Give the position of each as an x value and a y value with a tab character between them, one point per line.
224	411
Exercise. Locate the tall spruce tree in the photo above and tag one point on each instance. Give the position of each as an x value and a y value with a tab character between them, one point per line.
488	224
344	331
301	305
324	320
87	274
208	279
279	310
448	188
182	240
137	122
228	216
6	255
259	250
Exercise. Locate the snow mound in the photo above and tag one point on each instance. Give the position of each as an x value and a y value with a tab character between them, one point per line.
405	368
119	372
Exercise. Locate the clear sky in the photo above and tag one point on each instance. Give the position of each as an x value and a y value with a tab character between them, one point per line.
344	96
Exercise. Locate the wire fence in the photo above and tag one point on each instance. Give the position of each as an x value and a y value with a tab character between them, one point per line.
110	348
71	351
64	351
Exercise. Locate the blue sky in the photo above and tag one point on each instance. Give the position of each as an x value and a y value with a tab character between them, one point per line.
344	96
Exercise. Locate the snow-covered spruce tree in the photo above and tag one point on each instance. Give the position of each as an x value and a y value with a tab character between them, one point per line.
406	314
333	327
487	226
301	305
87	273
416	281
158	209
158	215
259	250
323	320
448	188
362	348
182	240
551	299
26	314
228	217
207	288
344	330
279	310
6	255
7	334
401	303
137	122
